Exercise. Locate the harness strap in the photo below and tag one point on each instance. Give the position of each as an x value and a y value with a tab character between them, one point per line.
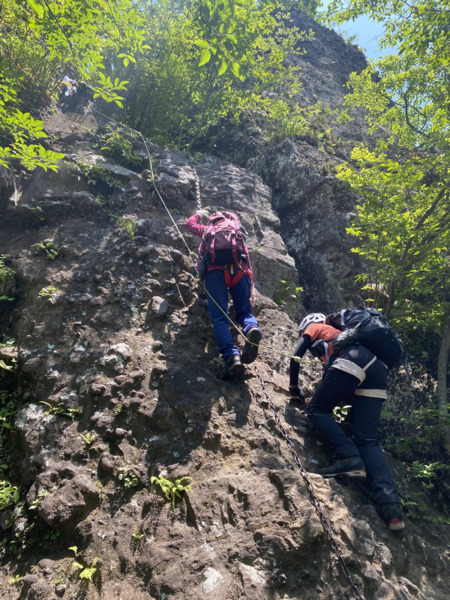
230	279
369	393
348	366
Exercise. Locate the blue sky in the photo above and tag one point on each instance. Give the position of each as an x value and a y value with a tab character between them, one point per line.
367	32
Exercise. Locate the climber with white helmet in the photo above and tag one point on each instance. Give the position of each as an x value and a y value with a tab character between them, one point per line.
356	377
316	341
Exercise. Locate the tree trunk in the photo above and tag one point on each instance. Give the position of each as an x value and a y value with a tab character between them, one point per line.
442	383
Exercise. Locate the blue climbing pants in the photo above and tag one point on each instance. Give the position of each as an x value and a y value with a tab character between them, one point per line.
218	297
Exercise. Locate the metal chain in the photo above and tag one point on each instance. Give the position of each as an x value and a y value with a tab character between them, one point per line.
197	190
313	496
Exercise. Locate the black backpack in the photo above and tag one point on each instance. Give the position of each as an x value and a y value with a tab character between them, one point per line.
367	326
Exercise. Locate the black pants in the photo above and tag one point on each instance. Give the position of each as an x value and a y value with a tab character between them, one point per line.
336	387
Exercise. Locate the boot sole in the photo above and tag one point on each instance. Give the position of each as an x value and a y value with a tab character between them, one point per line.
356	474
250	351
396	525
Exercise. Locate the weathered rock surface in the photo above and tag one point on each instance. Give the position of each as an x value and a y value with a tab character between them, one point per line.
117	383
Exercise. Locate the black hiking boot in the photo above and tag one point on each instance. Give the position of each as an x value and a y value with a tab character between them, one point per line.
232	367
347	467
251	347
392	515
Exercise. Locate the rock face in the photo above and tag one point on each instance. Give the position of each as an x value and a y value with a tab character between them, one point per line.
116	383
314	208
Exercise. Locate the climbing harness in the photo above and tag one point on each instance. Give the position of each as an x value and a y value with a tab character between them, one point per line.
313	497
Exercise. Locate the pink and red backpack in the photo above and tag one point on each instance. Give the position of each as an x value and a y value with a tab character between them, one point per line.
223	241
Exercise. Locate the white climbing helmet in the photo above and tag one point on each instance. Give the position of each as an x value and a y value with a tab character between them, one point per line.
311	318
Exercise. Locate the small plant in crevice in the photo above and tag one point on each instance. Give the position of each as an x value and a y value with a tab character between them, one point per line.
429	473
129	226
88	574
7	367
137	536
88	438
38	211
285	292
39	499
173	490
95	174
48	248
7	280
120	149
127	477
52	535
60	409
47	292
9	494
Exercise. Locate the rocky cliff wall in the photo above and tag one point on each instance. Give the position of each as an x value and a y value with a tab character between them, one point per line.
116	383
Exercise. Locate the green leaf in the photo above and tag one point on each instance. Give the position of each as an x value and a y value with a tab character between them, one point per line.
38	8
223	67
236	68
204	57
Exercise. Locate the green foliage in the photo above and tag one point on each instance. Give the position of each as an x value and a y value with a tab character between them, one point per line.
88	438
180	66
412	88
129	226
172	490
43	40
18	131
416	435
39	499
403	231
137	537
96	175
128	477
47	247
60	409
416	438
47	292
9	494
85	573
210	60
120	149
340	413
285	292
403	224
7	279
428	473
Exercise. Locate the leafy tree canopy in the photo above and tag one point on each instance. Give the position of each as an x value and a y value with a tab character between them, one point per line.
403	181
180	64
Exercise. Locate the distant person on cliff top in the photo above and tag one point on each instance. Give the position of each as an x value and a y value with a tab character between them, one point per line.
355	376
224	265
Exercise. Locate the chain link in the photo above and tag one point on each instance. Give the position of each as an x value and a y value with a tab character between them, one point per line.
197	191
313	496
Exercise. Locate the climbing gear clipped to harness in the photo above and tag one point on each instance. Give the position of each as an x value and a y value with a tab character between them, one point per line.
367	326
311	318
223	240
